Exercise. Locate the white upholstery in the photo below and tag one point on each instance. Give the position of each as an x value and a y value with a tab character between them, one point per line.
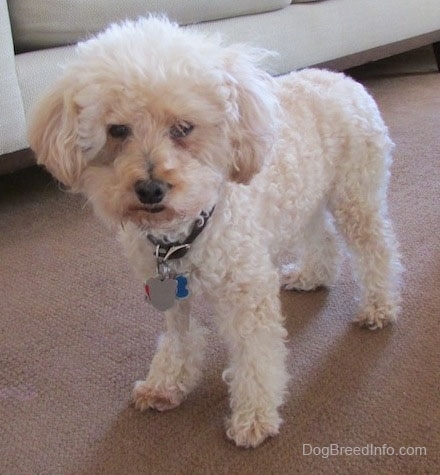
46	23
12	122
312	33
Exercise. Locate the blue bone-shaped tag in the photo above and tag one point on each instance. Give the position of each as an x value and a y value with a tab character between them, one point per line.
182	291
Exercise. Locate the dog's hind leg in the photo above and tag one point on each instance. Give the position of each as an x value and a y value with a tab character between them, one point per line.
364	223
176	366
318	259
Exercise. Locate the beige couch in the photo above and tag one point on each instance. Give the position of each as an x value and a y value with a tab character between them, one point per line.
35	39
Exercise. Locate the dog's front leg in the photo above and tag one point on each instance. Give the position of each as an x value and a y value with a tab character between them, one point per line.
257	376
176	366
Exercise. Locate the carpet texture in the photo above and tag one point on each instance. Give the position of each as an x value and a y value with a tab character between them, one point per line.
75	333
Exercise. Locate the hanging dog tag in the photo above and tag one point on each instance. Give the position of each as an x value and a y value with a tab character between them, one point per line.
182	291
161	293
163	290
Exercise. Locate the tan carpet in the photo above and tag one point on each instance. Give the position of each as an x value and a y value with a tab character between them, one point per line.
75	334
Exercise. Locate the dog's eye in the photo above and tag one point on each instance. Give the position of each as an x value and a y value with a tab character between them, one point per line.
119	131
180	130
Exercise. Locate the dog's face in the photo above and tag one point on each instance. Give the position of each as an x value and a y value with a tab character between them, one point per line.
150	120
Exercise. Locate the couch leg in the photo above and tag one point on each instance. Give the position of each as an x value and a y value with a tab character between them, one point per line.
436	48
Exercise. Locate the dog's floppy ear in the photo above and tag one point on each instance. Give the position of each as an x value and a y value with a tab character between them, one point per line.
52	134
254	110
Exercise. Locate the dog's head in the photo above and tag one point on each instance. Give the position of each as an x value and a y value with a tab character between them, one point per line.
151	119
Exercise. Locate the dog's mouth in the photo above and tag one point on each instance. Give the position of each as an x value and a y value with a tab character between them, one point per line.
153	209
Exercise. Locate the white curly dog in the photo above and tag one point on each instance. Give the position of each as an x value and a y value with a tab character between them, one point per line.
212	170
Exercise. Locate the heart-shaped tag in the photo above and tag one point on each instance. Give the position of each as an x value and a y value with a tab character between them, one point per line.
161	293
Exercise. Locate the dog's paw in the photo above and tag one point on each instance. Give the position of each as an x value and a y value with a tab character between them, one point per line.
376	317
147	397
250	432
292	278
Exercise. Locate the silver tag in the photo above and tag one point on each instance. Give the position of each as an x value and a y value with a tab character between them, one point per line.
161	293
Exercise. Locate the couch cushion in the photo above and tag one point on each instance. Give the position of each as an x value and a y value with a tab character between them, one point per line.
12	121
40	24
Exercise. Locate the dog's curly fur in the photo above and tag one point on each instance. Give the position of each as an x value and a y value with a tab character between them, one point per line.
289	164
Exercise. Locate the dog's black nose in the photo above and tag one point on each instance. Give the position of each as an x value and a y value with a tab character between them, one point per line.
150	192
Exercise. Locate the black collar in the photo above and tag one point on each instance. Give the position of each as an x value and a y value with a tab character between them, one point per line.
164	249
